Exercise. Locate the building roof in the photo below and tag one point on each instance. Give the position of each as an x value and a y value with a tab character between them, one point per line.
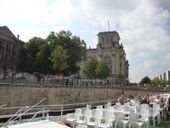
6	33
108	32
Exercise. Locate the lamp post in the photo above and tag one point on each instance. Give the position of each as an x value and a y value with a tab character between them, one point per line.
123	90
123	85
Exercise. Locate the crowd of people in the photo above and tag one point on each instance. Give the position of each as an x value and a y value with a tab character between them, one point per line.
142	100
164	102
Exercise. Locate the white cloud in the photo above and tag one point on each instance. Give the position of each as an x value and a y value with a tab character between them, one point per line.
146	38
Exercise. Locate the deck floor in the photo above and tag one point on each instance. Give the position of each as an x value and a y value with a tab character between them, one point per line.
164	124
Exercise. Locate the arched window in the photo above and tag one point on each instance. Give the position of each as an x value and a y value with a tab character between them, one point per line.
108	59
111	39
102	39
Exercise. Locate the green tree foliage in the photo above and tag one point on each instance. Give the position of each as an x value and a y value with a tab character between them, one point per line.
33	47
40	53
145	80
52	39
102	70
89	69
59	59
120	78
43	63
157	82
21	60
76	49
96	69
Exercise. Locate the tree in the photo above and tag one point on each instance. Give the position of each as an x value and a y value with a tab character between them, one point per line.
21	60
33	46
43	63
102	70
76	49
96	69
120	78
145	80
59	59
89	69
41	53
156	81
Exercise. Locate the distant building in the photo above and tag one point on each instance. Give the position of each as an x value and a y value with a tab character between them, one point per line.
164	76
9	49
109	50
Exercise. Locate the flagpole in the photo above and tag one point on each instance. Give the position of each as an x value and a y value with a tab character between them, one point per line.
108	26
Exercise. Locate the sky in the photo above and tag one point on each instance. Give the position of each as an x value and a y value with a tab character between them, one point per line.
143	26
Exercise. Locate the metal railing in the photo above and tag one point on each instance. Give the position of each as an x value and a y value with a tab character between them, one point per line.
57	110
80	83
22	111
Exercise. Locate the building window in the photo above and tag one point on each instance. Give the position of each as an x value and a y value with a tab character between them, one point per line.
111	39
108	60
107	39
102	39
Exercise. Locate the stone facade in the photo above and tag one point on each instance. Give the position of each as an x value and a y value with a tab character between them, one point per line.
112	52
9	49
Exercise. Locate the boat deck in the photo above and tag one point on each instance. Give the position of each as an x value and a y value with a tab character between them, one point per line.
163	124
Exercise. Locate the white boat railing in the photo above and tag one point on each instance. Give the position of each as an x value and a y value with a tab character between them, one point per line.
19	113
43	112
3	106
32	112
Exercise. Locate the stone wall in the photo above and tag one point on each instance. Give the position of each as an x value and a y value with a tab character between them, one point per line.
19	96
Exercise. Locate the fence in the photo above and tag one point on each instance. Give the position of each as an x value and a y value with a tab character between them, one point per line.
80	83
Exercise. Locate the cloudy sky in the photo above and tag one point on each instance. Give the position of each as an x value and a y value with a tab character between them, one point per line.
143	25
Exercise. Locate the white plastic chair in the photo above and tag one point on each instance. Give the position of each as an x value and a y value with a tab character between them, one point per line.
88	106
95	120
127	104
144	112
126	108
82	119
138	108
104	123
107	105
118	106
157	108
81	126
107	122
145	106
118	103
119	118
155	113
70	118
99	107
134	120
78	112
